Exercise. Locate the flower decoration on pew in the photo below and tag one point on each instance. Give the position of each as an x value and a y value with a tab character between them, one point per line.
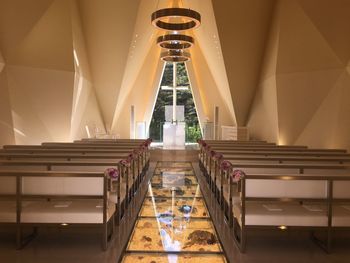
218	157
112	173
136	152
207	148
143	148
225	165
204	144
200	141
237	175
212	153
131	157
146	143
126	162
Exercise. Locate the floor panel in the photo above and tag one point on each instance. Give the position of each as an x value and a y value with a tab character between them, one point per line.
174	223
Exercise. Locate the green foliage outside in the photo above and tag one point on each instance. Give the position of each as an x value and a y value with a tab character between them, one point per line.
184	97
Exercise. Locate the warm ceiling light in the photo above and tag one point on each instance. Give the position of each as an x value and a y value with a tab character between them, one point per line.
175	41
175	56
282	227
176	19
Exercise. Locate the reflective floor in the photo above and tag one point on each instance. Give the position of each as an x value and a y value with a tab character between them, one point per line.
174	224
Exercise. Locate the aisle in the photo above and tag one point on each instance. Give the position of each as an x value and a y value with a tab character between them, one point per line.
174	224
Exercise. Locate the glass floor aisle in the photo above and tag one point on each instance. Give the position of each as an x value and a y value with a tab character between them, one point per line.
174	224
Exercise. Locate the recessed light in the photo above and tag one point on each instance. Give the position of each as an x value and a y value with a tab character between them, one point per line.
282	227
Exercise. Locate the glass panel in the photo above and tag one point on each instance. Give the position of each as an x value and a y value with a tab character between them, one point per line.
174	219
166	233
166	258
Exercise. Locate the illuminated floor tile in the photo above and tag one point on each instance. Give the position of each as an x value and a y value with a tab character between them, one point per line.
178	191
172	234
174	179
178	207
166	258
188	171
175	164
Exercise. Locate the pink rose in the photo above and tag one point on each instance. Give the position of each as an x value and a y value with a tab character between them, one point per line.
225	165
212	153
126	162
237	175
218	156
207	148
112	173
200	141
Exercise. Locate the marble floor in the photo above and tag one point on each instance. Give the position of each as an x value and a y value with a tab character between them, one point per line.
174	224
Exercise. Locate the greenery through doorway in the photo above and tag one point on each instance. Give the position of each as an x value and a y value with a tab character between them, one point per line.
184	97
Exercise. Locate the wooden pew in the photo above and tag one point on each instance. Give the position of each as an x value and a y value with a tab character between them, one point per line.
273	148
288	159
60	156
318	204
70	146
253	146
66	150
95	140
270	189
28	203
132	176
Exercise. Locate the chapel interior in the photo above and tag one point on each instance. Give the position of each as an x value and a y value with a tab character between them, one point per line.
175	131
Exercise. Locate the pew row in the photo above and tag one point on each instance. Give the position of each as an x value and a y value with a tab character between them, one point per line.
132	175
280	191
41	198
130	161
315	202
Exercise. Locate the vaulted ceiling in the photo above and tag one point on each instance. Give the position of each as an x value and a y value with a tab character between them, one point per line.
257	60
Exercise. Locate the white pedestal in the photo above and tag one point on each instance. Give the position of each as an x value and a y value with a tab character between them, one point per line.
174	135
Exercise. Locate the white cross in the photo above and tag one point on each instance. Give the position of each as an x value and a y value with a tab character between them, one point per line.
174	88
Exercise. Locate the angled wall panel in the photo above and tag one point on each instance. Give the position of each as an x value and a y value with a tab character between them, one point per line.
243	27
206	87
6	123
108	29
40	70
143	94
311	57
85	108
40	103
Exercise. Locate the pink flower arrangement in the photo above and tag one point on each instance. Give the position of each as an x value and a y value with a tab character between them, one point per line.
136	152
143	148
212	153
225	165
200	141
217	156
130	157
207	148
146	143
112	173
126	162
237	175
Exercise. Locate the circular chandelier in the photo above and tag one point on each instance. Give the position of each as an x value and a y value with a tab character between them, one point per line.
176	19
175	41
175	56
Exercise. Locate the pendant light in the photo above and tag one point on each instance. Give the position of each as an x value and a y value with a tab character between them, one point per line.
175	56
175	41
